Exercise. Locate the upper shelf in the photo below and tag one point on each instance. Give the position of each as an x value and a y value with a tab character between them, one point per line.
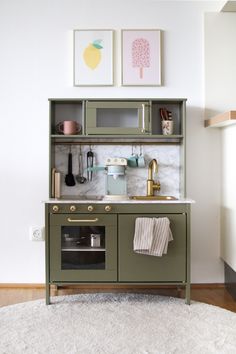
82	139
221	120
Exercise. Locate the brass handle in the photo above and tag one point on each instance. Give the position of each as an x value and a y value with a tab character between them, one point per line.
107	208
72	208
143	118
82	220
90	208
55	208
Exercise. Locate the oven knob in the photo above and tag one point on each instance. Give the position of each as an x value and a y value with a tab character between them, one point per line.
107	208
90	208
55	208
72	208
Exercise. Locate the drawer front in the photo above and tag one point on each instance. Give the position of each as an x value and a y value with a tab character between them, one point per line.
134	267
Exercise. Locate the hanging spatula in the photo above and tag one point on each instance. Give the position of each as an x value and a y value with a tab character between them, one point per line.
69	179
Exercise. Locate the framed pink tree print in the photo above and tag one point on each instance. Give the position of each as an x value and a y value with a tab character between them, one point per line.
141	57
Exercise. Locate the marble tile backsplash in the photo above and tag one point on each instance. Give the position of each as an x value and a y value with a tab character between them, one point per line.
166	155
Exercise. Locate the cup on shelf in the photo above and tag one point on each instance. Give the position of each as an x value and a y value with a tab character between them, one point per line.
68	127
167	127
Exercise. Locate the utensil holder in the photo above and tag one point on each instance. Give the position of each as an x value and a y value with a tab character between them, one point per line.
167	127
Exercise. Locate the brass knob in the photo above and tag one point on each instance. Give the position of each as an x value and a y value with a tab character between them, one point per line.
107	208
90	208
55	208
72	208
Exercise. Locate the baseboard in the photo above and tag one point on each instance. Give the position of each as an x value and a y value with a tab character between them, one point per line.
208	285
111	286
22	285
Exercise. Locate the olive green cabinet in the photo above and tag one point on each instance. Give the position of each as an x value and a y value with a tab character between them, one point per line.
135	267
97	246
71	258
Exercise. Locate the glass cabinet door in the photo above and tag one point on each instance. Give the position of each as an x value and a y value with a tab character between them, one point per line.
83	247
117	117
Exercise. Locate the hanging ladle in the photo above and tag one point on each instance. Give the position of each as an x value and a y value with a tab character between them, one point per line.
79	177
90	157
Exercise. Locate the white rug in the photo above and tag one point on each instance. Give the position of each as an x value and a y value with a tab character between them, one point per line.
116	323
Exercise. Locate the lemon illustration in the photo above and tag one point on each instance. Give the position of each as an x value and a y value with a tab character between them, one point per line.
92	54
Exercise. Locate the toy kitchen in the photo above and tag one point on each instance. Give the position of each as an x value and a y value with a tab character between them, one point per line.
117	184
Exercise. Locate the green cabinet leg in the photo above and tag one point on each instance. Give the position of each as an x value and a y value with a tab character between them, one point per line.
187	293
47	294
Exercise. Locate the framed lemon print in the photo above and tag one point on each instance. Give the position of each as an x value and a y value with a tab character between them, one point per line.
93	57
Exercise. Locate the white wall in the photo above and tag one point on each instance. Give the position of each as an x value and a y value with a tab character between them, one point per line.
220	34
36	63
220	58
228	197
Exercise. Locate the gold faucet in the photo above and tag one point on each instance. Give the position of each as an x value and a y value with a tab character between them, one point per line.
151	185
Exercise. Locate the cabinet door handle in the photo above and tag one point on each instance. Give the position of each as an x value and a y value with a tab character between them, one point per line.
82	220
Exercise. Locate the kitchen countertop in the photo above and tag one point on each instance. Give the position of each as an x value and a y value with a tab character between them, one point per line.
77	200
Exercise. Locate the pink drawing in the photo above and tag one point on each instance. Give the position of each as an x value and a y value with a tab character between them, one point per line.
140	55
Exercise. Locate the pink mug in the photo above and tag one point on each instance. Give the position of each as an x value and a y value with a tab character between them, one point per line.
68	127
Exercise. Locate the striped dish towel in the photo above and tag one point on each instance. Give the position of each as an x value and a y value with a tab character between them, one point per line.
152	236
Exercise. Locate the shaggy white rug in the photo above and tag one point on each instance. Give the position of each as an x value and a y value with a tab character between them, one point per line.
116	323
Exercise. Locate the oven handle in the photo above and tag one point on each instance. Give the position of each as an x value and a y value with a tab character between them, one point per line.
82	220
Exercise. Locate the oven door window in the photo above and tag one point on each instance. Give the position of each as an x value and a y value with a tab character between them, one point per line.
83	247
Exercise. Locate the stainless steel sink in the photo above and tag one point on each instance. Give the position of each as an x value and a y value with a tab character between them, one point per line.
153	197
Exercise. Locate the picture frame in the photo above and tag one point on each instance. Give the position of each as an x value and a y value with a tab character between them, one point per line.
141	57
93	57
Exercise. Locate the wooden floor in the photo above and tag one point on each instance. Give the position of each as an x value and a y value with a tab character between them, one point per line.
214	295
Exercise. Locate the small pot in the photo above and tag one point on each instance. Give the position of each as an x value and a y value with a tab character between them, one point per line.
68	239
95	240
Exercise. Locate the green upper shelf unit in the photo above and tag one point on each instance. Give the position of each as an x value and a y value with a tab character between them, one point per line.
128	119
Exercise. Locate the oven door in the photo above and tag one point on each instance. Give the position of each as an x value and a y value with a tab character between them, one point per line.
83	247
